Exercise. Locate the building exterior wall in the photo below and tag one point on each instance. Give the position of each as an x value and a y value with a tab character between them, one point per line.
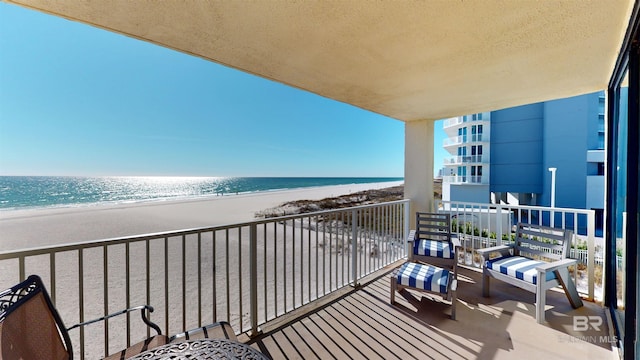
526	141
469	193
516	149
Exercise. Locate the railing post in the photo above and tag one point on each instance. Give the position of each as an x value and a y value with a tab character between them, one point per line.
498	224
591	253
354	247
407	217
253	281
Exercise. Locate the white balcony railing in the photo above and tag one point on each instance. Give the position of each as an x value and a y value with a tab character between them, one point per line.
466	159
246	274
451	122
464	179
464	139
480	225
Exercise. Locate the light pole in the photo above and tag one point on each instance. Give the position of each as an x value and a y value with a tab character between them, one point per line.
553	193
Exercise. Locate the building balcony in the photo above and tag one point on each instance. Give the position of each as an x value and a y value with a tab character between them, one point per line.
308	286
464	179
465	139
466	159
447	123
463	120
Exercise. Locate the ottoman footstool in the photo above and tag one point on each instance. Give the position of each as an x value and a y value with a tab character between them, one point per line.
426	278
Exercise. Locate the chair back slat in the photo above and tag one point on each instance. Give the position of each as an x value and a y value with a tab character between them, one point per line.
433	226
542	241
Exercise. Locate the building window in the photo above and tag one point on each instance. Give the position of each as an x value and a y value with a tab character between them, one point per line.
476	174
600	141
476	153
476	133
601	168
462	135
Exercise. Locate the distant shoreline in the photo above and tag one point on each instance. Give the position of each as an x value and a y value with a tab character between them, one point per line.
27	228
50	192
10	212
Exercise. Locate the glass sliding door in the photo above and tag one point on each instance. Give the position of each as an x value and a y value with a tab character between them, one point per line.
617	236
621	292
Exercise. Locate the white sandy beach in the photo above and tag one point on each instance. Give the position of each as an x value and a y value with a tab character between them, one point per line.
22	229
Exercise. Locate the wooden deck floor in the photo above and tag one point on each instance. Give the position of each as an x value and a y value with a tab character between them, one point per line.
362	324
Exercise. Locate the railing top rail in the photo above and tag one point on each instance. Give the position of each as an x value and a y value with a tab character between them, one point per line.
11	254
465	206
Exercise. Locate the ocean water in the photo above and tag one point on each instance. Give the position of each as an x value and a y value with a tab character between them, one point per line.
23	192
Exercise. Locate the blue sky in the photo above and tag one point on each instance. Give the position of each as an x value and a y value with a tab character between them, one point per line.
77	100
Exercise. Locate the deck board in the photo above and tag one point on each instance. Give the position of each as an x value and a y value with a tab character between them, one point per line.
362	324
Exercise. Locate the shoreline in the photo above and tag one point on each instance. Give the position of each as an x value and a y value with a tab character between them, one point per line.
29	228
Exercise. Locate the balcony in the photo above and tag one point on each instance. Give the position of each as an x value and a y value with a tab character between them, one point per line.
456	121
465	139
312	286
451	122
464	179
466	159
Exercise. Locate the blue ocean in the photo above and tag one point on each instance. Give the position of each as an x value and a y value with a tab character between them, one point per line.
22	192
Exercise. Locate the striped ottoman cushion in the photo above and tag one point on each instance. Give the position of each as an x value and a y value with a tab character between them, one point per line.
434	248
424	277
519	267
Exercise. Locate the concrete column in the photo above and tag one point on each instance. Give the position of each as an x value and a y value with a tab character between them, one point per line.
418	166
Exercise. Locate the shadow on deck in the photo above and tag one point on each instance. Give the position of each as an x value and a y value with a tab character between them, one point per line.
363	324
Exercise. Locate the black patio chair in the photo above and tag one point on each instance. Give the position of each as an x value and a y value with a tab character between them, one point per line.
31	328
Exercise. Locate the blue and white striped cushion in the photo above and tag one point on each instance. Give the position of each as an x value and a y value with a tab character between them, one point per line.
424	277
434	248
519	267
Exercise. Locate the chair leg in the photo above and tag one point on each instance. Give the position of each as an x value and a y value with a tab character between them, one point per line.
569	287
485	283
454	298
394	283
541	295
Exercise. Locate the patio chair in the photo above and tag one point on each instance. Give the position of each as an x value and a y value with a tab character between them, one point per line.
536	261
432	242
31	328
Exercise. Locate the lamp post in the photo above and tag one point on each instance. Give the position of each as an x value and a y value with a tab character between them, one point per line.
553	193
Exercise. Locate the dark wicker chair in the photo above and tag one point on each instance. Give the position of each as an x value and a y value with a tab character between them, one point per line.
31	328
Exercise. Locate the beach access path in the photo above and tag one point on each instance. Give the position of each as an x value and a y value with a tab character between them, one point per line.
25	229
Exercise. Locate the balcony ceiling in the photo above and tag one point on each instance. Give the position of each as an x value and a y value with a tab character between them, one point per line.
410	60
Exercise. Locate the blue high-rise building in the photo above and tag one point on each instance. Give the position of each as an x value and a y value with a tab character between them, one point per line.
504	156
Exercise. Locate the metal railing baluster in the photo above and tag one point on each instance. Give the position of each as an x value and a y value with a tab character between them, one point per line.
214	276
199	280
253	293
105	287
166	283
81	299
127	291
240	276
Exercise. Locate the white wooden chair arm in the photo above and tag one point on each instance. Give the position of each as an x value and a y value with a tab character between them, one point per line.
456	242
412	236
552	266
502	249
